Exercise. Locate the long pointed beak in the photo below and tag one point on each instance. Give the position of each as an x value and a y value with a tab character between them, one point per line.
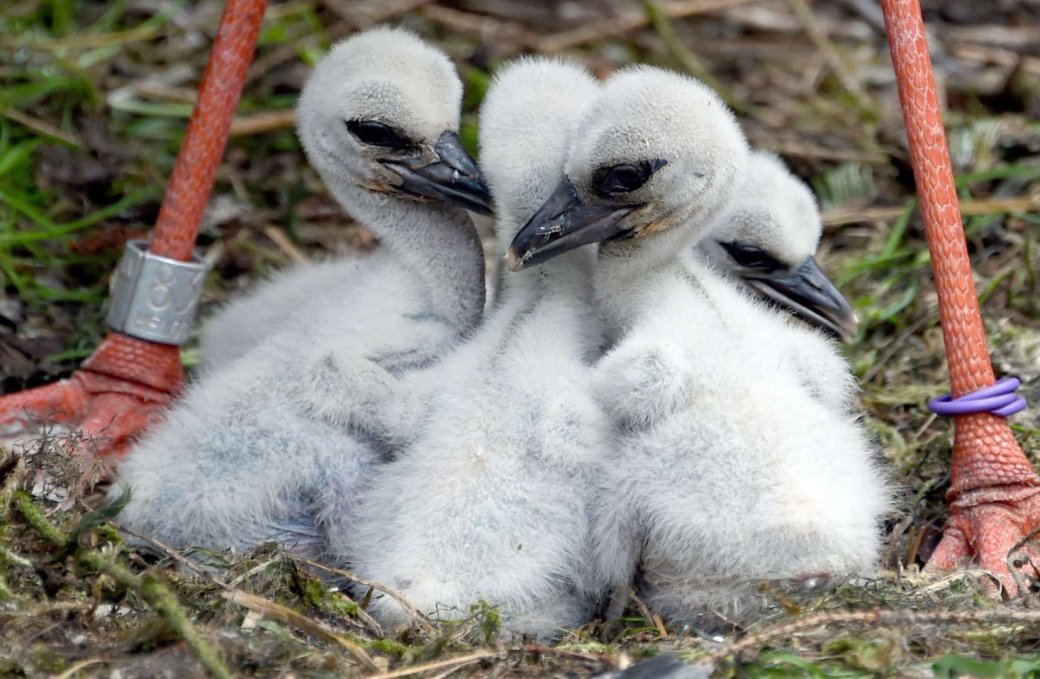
454	176
564	223
810	295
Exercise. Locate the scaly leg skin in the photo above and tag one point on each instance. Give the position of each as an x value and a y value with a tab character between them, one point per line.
994	504
991	531
112	398
993	492
128	381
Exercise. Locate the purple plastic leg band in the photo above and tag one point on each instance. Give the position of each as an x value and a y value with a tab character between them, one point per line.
1000	399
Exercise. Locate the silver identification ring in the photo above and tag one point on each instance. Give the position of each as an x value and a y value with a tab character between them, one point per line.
155	298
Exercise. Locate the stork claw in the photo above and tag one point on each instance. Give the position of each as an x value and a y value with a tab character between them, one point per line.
60	402
117	393
989	532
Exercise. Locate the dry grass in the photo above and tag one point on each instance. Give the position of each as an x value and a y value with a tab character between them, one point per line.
93	98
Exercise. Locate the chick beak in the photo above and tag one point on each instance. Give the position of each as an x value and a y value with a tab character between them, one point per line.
810	295
564	223
453	176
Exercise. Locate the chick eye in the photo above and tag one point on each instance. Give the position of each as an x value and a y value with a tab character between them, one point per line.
751	257
624	178
377	134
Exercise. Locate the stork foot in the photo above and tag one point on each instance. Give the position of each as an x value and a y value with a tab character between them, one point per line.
116	394
995	529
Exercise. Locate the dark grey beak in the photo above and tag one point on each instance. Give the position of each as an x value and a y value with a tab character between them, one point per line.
563	223
810	295
454	176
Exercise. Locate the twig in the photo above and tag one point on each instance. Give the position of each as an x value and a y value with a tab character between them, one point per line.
626	22
440	664
87	40
834	60
40	126
258	123
574	655
804	149
843	216
1024	541
153	592
645	611
77	666
12	482
259	568
381	10
900	528
686	59
37	520
508	38
359	610
313	627
362	15
262	65
869	11
874	617
411	610
1021	37
279	238
946	581
164	602
180	558
6	555
996	56
1000	206
897	346
924	427
173	554
34	611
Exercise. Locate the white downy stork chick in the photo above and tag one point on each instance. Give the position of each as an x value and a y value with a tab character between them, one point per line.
269	446
490	500
392	138
765	239
726	470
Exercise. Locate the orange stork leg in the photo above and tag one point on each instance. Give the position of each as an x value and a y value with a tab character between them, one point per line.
127	382
994	493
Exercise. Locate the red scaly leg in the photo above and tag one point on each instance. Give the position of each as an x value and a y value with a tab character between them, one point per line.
127	382
994	493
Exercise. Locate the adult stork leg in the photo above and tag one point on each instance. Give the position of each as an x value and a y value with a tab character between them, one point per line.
994	493
128	380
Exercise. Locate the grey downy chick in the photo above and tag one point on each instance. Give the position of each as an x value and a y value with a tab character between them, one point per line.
386	114
726	469
268	447
490	500
765	239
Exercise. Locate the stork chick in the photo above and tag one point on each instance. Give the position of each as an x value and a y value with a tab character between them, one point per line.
490	500
766	238
726	470
269	446
416	151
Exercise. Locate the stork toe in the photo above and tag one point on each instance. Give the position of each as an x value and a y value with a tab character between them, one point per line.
994	534
58	403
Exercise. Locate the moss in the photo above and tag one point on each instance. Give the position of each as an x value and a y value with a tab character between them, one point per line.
592	647
388	646
38	521
489	620
341	605
333	603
